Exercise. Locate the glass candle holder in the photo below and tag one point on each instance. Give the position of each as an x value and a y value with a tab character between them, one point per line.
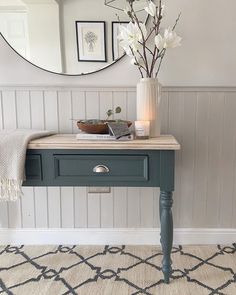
142	129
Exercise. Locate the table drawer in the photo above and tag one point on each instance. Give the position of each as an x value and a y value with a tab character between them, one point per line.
101	168
33	168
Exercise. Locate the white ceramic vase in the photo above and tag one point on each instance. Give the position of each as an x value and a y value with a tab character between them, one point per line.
148	104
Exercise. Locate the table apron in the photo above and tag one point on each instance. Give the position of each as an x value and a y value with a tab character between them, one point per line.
127	168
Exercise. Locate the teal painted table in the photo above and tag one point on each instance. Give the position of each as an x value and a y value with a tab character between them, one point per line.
61	160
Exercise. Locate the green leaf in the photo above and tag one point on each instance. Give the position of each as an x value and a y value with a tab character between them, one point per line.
118	110
109	113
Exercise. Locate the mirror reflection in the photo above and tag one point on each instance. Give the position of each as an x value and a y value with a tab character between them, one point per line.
73	37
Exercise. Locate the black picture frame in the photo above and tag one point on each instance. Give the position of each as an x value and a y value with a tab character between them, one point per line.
78	41
114	23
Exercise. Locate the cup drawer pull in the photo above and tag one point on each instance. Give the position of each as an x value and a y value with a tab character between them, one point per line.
101	169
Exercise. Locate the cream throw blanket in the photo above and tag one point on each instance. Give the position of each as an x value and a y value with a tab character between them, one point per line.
13	146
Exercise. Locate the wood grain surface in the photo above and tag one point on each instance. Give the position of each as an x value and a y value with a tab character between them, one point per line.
69	141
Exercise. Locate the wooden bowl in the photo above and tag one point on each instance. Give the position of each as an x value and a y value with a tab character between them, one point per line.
99	128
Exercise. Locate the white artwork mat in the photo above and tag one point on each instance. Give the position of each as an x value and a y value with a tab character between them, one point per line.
91	41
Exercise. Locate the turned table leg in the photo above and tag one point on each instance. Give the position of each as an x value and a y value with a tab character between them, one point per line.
166	221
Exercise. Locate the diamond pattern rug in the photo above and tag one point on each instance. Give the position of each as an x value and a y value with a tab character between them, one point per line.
121	270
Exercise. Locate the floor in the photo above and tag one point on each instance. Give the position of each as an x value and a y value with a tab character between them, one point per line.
121	270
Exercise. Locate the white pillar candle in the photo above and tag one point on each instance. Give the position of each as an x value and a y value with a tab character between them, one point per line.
142	129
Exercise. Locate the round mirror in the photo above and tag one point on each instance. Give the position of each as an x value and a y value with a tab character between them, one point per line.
72	37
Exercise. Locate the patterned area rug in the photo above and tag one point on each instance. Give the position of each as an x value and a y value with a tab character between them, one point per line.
122	270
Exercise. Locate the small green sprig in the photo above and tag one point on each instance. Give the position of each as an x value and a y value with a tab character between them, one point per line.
111	112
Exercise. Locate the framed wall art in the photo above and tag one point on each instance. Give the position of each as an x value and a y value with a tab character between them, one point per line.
117	51
91	41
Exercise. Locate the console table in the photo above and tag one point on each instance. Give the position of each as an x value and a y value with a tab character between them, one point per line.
61	160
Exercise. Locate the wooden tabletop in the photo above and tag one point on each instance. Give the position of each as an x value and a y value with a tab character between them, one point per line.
69	141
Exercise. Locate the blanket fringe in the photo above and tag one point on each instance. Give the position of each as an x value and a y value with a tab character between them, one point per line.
10	189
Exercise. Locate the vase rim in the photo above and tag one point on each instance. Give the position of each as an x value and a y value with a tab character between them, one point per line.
149	79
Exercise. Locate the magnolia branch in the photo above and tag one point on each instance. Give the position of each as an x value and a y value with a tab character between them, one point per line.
176	22
137	63
158	16
141	38
160	63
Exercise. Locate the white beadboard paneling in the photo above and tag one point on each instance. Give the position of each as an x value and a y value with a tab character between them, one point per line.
146	207
92	105
120	207
175	123
23	109
228	162
94	210
54	207
51	110
215	146
28	207
188	159
65	112
202	119
134	210
81	207
164	112
37	109
120	100
15	214
107	210
41	207
131	107
9	109
105	99
78	108
201	159
67	207
1	112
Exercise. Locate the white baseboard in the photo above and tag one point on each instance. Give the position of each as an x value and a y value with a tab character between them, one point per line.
98	236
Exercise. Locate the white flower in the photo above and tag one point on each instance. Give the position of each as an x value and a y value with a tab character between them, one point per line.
159	41
130	36
172	40
151	9
126	48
